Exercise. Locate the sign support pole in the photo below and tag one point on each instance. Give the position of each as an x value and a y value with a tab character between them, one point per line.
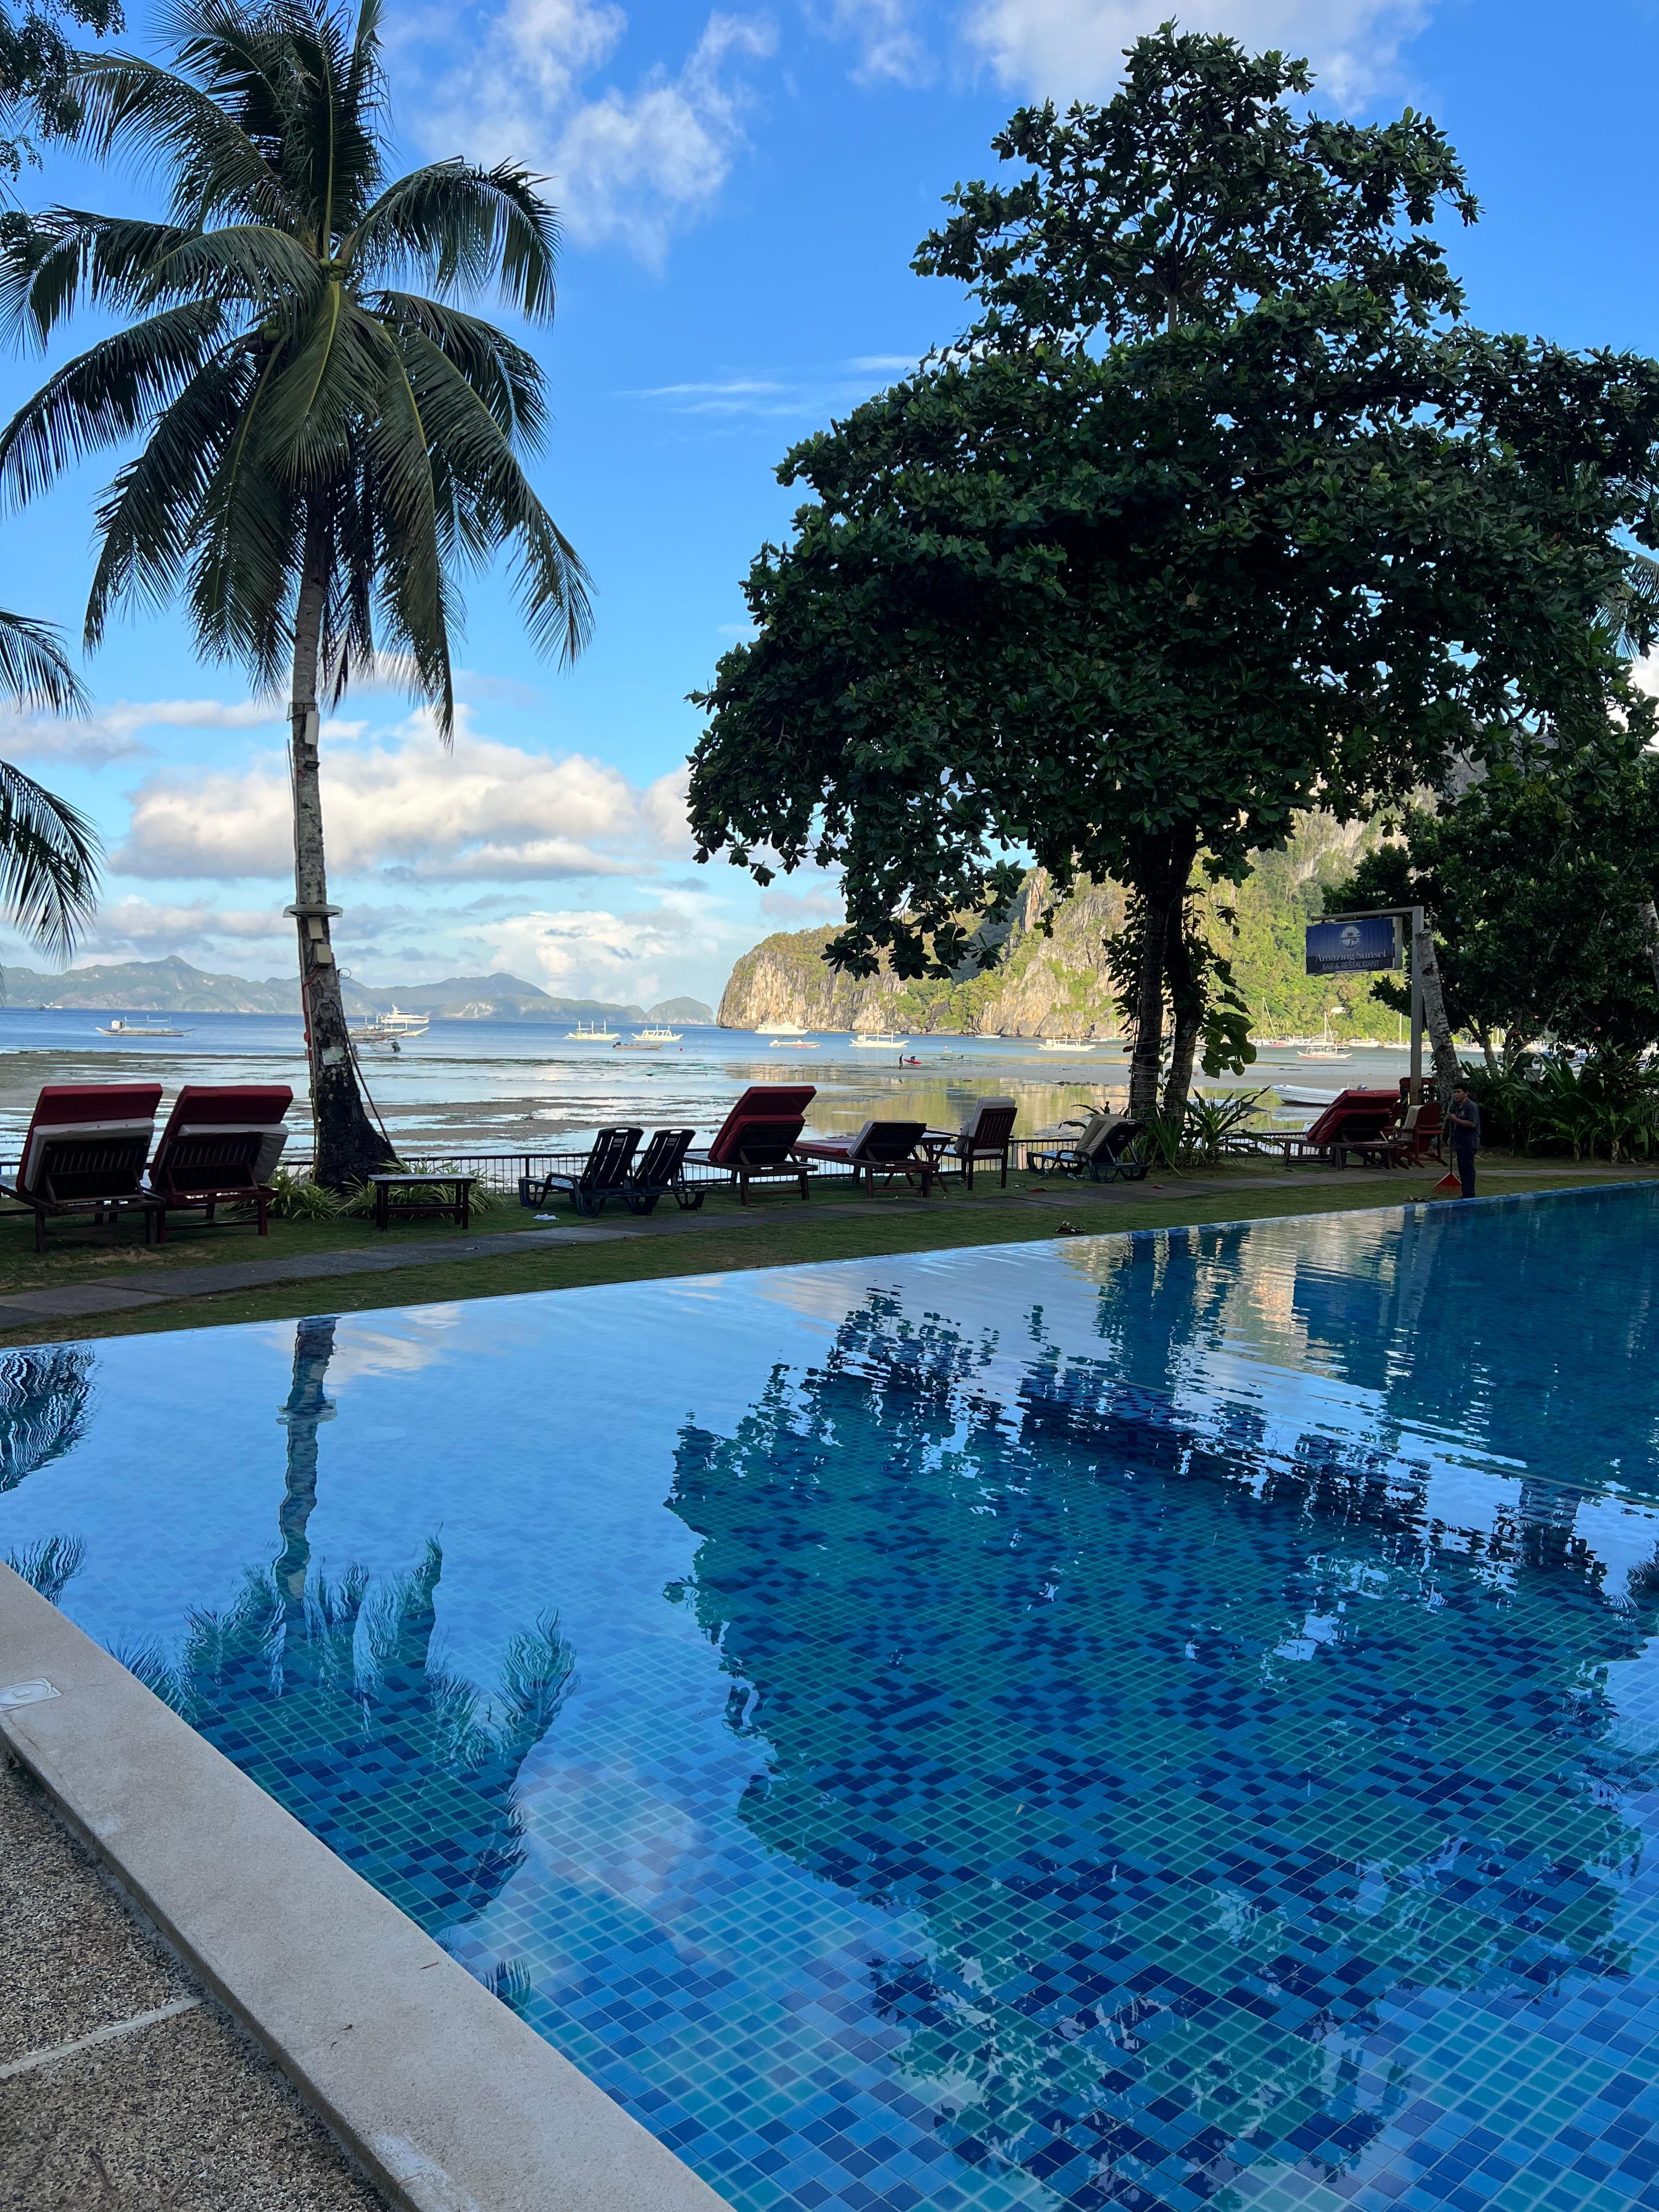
1416	1092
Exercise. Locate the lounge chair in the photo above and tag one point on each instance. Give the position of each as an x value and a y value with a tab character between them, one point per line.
1354	1119
1100	1151
660	1171
986	1134
757	1142
85	1153
220	1146
888	1149
605	1173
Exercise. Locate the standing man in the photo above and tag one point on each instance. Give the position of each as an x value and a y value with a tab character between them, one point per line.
1464	1122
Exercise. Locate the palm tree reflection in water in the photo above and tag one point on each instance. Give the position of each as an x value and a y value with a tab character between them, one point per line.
1198	1764
331	1698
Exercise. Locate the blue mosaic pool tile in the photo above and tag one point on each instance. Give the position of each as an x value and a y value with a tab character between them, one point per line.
1163	1727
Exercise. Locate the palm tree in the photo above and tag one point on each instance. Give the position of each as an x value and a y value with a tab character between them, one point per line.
49	850
323	451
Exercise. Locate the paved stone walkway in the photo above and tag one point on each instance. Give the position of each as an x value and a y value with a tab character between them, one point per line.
121	2082
70	1301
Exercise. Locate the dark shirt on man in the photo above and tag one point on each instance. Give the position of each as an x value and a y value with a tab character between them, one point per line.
1465	1122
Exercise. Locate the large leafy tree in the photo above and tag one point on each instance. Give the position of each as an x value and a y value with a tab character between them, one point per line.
1216	513
322	451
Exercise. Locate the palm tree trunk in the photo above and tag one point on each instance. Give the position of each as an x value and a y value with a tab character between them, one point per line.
1446	1070
348	1144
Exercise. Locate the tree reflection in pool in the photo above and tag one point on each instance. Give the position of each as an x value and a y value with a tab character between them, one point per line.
1199	1765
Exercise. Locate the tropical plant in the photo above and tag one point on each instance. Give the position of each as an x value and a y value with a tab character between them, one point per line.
323	451
37	92
1216	513
49	850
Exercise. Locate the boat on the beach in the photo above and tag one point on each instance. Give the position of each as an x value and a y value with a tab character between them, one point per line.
118	1028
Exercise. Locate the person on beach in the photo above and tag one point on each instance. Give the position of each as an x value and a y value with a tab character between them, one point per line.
1464	1122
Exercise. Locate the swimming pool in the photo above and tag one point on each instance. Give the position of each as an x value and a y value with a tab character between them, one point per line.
1167	1720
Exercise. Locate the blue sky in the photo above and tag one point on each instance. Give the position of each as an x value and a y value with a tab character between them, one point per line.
742	191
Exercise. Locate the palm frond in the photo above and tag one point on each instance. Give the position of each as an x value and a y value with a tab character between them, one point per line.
457	227
34	670
48	862
105	394
149	521
172	125
507	378
492	504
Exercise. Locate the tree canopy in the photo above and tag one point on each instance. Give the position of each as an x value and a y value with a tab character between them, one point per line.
1217	513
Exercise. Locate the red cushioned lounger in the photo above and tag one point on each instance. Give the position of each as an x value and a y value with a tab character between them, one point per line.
221	1144
85	1153
756	1140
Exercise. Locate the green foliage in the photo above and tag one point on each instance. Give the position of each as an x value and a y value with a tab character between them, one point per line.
358	1200
303	419
1608	1108
1200	1132
296	1198
1213	517
1536	880
37	72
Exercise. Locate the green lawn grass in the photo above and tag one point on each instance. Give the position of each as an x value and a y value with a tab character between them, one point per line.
774	1232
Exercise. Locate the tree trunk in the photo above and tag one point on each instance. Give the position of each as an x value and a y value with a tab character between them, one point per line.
307	1406
1650	931
348	1144
1446	1070
1187	1009
1487	1050
1158	873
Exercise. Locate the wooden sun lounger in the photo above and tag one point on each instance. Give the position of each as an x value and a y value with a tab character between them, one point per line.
1099	1150
888	1149
85	1153
758	1140
220	1147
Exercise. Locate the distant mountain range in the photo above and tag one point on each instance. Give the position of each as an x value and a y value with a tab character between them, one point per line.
173	987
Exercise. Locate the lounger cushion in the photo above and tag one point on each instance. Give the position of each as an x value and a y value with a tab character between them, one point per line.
777	1104
206	1109
86	1110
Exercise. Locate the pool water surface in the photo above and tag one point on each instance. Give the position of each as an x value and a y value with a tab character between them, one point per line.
1154	1722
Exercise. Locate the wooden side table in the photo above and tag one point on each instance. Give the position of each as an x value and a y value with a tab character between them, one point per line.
459	1207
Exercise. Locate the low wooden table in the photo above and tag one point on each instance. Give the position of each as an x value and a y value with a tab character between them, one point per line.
458	1208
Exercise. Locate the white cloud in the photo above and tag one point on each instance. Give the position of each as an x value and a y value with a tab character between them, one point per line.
889	50
844	385
146	929
112	735
1074	48
593	953
627	167
400	804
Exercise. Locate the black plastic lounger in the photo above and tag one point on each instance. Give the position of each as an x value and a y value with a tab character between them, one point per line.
603	1174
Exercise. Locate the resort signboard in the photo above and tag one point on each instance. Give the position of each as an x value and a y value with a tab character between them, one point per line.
1352	944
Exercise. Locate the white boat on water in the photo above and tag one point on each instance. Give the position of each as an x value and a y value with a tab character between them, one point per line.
791	1044
393	1029
776	1032
118	1028
1325	1050
659	1034
1068	1044
886	1039
594	1033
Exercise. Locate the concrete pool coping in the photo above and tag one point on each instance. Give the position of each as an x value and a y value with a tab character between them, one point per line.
448	2101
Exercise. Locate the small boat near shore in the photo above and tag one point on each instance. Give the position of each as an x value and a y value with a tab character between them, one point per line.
392	1029
593	1033
118	1028
874	1040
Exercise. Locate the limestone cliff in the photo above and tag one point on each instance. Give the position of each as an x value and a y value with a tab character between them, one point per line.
1056	986
1043	987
